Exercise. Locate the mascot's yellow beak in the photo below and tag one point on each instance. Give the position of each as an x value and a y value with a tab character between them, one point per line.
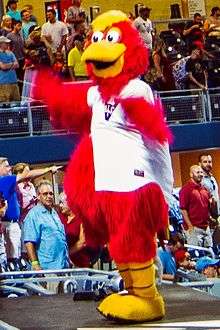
107	59
106	51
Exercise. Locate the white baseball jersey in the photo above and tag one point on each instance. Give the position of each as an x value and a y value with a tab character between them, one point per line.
124	159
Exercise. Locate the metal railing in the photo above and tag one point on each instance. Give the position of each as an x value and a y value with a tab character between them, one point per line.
32	118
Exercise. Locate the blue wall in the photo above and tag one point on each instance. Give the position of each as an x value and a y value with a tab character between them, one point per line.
57	148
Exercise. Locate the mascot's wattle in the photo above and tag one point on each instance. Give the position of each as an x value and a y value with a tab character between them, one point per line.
121	170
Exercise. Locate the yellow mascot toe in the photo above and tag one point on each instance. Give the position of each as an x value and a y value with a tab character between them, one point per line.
142	303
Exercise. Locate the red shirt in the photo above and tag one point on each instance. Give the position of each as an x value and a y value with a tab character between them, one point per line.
195	199
86	255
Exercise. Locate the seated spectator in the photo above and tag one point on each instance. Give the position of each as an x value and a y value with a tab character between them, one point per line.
183	260
11	10
6	25
194	31
77	69
167	256
212	23
9	90
196	70
208	266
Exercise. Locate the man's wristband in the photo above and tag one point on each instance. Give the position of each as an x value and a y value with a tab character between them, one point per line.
35	263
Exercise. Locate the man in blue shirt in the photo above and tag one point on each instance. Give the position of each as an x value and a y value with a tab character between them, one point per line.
8	187
166	255
44	234
8	79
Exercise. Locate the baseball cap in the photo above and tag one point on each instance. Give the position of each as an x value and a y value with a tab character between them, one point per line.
4	39
205	262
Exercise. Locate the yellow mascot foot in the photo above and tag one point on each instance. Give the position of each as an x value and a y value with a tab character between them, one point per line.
130	308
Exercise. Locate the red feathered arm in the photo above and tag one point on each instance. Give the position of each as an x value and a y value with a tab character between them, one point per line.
67	102
148	118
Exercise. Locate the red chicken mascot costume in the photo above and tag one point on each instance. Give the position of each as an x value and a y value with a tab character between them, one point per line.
121	170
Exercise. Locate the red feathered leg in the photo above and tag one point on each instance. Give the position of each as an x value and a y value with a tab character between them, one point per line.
134	219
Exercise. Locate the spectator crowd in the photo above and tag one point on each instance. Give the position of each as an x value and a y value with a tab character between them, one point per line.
181	57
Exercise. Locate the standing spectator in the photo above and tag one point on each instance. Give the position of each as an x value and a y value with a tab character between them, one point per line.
77	68
44	51
37	55
44	234
6	25
17	47
80	29
11	10
26	190
75	14
81	254
30	8
26	23
54	32
144	25
8	186
194	31
212	23
196	70
195	201
164	77
3	258
209	181
8	79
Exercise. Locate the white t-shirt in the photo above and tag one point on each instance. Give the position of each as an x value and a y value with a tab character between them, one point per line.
56	30
124	160
145	28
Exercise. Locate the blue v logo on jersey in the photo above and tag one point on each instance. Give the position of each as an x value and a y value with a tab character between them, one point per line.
109	108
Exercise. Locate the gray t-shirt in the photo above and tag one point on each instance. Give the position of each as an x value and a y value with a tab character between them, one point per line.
17	45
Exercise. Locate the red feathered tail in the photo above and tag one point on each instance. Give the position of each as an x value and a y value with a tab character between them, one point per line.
80	189
148	118
67	102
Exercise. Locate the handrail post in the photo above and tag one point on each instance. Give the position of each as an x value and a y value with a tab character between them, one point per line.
30	119
209	107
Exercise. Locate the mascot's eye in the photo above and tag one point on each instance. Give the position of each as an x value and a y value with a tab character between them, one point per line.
112	36
97	36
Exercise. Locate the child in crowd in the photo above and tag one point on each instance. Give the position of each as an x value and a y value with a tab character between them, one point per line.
59	65
208	266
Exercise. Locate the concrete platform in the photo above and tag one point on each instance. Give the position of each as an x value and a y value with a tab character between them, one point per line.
61	312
